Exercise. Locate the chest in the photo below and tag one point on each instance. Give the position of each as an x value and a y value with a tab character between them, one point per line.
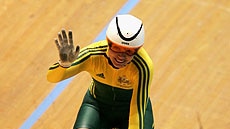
125	78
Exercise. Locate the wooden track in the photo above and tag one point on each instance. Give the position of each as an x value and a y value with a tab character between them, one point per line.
188	40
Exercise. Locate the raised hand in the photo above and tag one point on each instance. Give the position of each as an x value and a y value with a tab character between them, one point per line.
67	52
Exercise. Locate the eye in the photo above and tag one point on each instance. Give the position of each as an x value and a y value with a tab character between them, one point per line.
115	48
129	52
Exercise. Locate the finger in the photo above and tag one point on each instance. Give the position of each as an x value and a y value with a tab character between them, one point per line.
70	37
64	36
57	44
60	38
77	50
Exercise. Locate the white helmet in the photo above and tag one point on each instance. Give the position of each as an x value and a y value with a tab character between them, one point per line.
126	30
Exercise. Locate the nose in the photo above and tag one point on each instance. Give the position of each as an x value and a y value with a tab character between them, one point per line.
122	55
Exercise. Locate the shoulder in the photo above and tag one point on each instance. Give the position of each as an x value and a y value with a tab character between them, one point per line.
95	48
97	45
91	52
144	64
143	57
143	61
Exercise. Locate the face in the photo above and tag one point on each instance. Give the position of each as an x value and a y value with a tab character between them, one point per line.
120	56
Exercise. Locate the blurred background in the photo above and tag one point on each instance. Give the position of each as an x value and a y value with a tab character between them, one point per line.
188	41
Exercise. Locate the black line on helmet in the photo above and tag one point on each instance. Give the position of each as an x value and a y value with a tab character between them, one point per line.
122	36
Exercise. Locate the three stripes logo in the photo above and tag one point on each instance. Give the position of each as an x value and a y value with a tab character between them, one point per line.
101	75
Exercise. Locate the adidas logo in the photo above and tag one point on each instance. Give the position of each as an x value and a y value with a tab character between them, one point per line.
101	75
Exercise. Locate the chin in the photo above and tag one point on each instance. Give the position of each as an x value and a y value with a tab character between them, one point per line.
117	65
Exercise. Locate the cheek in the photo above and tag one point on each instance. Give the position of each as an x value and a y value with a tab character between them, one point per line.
113	55
129	58
110	53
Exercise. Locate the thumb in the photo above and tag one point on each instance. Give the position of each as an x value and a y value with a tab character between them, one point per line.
77	50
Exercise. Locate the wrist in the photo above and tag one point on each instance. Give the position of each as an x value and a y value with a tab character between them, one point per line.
64	64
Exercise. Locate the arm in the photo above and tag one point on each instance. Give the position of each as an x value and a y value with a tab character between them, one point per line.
62	70
141	90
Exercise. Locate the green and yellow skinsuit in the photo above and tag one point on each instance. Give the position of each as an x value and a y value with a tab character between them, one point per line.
134	77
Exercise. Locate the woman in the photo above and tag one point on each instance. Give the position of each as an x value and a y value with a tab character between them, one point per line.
121	71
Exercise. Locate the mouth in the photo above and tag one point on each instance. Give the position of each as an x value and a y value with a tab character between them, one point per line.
119	61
